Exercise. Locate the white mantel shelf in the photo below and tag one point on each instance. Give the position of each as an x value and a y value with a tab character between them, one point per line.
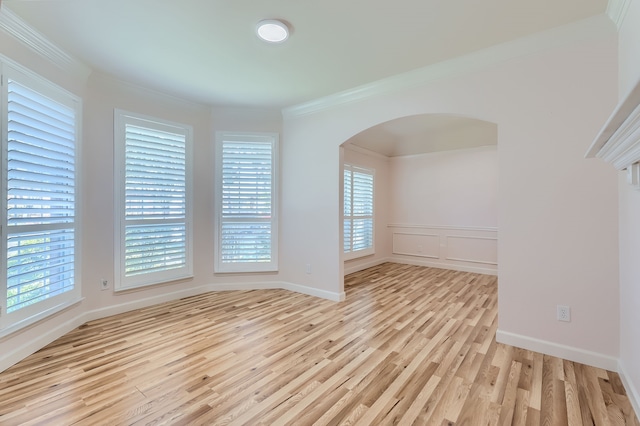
618	142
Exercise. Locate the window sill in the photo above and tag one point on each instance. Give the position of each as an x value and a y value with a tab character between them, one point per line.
144	285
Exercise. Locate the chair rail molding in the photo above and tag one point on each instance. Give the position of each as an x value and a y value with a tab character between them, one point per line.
618	142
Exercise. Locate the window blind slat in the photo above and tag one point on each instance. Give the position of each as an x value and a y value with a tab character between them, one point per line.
40	173
150	248
358	209
38	265
155	174
247	194
153	188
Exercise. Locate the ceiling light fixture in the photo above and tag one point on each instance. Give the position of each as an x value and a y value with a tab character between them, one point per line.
272	30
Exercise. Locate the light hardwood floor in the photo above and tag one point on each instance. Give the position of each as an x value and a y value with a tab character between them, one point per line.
410	345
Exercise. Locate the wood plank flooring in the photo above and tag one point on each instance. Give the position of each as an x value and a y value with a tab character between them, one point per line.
409	346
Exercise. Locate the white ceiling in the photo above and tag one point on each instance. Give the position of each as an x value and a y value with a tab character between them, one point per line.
206	50
424	133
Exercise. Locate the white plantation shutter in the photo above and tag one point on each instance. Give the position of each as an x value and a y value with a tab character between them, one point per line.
246	220
40	134
154	238
358	212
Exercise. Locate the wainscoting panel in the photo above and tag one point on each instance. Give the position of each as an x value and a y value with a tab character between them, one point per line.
461	248
472	249
411	244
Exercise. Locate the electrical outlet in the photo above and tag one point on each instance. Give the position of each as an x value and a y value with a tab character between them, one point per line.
104	285
308	268
564	313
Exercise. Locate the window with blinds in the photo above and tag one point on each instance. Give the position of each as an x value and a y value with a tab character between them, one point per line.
39	144
246	222
358	212
154	239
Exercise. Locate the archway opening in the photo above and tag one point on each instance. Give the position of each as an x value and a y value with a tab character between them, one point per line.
433	194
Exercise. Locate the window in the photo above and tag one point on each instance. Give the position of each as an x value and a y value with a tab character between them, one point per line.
358	211
246	219
40	137
153	201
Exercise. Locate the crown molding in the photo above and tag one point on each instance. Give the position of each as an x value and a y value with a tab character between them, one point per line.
594	28
13	25
365	151
617	11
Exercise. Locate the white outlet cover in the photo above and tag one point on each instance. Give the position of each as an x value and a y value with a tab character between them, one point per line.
564	313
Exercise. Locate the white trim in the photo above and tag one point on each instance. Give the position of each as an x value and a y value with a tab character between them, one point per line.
394	251
352	168
484	262
280	285
618	142
273	139
470	237
632	391
570	353
9	358
492	147
593	28
443	265
39	316
617	11
466	228
13	25
121	118
31	314
358	266
310	291
365	151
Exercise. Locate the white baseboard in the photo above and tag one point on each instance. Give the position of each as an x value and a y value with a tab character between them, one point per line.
297	288
359	266
570	353
9	358
632	391
263	285
324	294
443	265
143	303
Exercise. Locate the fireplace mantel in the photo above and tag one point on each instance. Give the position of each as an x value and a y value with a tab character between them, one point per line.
618	143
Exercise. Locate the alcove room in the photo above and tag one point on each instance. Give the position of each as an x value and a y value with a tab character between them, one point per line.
435	193
275	213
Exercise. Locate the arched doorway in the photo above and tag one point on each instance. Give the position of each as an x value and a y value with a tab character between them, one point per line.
433	193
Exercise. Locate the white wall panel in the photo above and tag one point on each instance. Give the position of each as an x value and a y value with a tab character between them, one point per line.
472	249
422	245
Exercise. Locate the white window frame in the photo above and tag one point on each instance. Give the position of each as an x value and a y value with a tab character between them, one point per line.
240	267
348	253
122	282
25	316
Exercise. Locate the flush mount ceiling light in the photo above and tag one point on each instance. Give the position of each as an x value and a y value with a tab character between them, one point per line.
272	30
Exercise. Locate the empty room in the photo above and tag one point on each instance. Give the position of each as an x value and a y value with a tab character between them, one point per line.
414	212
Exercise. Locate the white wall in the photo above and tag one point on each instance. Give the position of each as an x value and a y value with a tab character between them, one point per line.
557	212
444	209
629	63
380	164
449	188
